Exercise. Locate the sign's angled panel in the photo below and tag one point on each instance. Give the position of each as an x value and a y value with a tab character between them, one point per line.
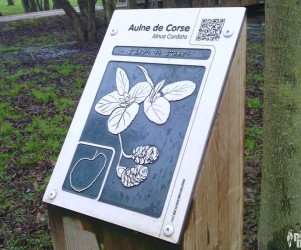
133	150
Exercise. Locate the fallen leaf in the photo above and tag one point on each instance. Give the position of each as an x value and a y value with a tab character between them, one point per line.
40	217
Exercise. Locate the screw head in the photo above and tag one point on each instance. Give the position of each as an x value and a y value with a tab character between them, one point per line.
168	230
52	195
113	32
228	33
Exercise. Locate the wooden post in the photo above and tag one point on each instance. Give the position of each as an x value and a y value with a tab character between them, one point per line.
216	217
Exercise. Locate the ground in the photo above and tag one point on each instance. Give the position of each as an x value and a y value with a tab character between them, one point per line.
253	132
42	74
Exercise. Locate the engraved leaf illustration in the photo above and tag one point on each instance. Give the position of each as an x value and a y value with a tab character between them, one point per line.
122	117
107	104
178	90
159	86
157	111
140	91
122	81
146	76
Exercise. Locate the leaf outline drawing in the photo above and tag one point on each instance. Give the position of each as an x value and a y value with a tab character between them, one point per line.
95	178
157	104
122	117
122	106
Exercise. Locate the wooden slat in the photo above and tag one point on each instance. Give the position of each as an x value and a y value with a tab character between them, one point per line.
236	148
216	221
216	216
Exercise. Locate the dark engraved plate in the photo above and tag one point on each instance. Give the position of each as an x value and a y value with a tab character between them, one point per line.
142	111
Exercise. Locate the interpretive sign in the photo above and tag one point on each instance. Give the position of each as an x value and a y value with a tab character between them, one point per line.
133	151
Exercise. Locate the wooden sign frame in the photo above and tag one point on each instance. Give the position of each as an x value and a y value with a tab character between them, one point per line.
217	153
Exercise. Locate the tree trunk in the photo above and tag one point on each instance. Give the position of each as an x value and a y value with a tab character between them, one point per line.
84	24
26	6
203	3
146	4
132	4
46	5
57	4
108	6
281	173
10	2
78	25
39	4
87	10
155	4
33	6
169	4
91	27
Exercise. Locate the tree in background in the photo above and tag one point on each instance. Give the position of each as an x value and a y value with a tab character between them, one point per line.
29	6
280	213
10	2
46	5
43	4
132	4
83	23
57	4
108	6
35	5
169	4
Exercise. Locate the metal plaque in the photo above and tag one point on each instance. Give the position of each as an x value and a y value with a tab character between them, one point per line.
134	149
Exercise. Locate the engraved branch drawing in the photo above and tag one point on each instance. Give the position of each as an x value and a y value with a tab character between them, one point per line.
122	106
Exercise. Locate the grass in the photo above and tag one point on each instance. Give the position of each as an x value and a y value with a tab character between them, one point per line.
254	103
253	135
11	10
254	99
17	8
253	138
38	97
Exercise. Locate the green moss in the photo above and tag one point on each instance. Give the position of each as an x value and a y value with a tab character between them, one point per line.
6	129
253	103
44	96
9	48
64	104
17	90
253	141
66	69
3	159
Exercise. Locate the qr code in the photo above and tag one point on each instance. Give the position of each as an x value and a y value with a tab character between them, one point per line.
210	29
